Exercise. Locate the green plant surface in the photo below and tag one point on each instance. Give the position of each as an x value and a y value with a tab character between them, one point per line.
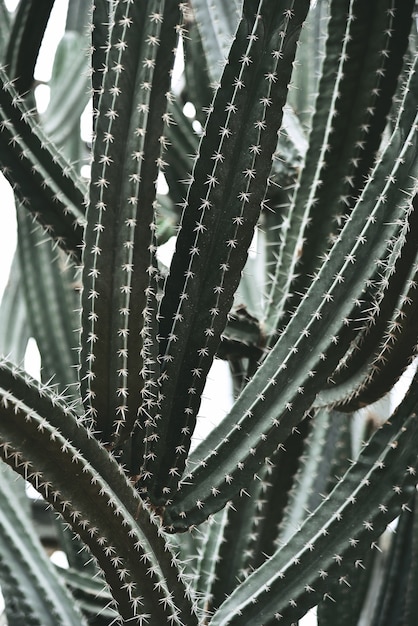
39	595
272	144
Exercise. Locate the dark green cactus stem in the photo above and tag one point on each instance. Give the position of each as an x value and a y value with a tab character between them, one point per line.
295	261
265	413
127	543
351	113
120	229
45	183
26	34
40	597
382	351
220	213
321	547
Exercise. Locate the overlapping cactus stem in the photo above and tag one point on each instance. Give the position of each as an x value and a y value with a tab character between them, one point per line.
364	54
332	543
386	342
331	305
43	180
120	268
33	592
56	453
220	213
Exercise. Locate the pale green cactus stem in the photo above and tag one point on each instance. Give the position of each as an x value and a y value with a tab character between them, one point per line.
323	551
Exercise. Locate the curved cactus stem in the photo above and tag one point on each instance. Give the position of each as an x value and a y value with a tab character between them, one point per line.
336	535
48	448
347	128
28	28
32	590
44	182
92	596
384	349
220	214
119	306
265	413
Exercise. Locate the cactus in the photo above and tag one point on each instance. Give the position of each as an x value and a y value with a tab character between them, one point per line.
288	144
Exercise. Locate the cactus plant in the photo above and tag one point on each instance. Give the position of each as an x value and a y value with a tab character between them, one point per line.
290	130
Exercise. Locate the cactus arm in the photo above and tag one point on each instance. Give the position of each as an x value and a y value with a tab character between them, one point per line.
217	22
28	28
342	272
69	89
120	231
359	507
218	222
51	302
27	576
91	594
347	139
358	383
5	27
100	31
39	175
43	453
14	326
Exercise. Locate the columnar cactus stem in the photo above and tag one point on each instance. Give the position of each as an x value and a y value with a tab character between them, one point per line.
120	229
350	117
294	260
220	213
280	403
